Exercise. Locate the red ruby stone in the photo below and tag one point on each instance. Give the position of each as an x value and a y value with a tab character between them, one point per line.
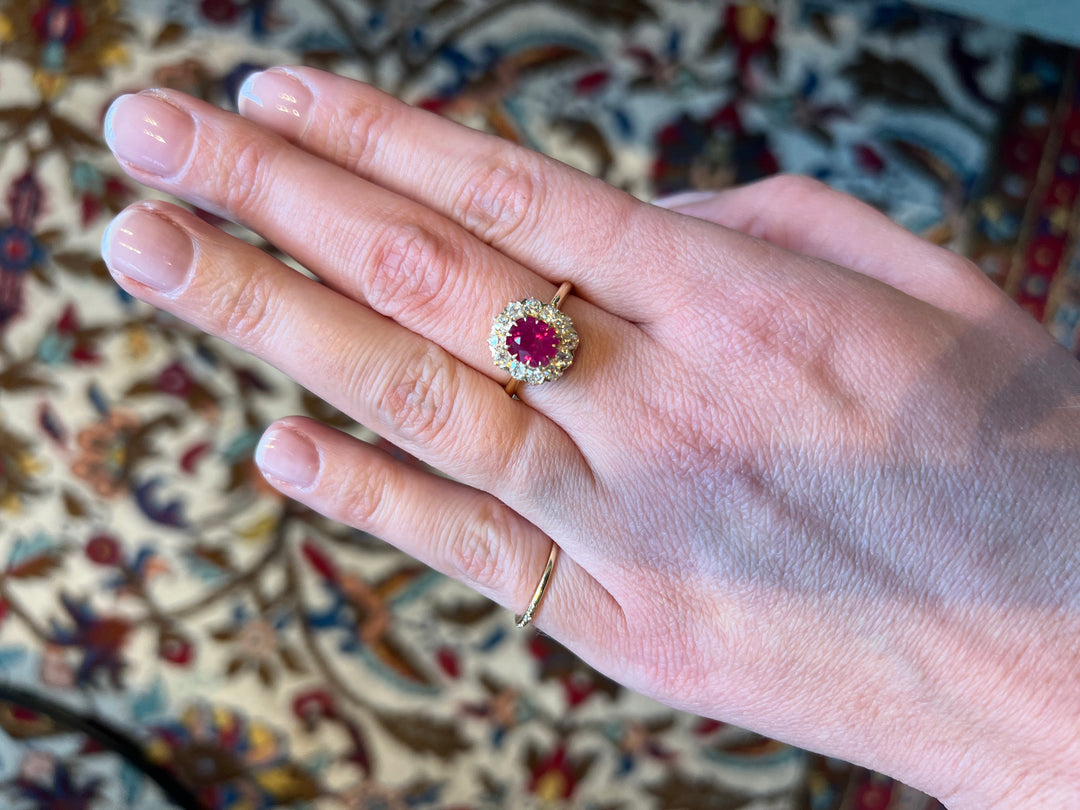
532	342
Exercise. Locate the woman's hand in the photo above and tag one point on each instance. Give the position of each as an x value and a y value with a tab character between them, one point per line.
808	473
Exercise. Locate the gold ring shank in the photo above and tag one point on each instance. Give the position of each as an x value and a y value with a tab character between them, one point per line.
523	620
560	295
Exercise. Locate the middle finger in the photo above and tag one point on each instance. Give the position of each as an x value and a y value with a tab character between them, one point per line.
388	378
400	258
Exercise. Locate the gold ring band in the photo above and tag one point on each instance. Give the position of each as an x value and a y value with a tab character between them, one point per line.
523	620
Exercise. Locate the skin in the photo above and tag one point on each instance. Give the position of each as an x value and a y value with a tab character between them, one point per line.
808	473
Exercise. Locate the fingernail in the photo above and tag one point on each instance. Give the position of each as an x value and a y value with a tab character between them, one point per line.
148	248
288	456
149	134
683	198
275	99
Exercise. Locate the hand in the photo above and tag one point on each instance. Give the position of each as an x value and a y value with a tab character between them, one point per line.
808	473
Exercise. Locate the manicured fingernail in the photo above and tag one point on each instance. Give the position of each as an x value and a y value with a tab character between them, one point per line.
148	248
683	198
149	134
288	456
277	100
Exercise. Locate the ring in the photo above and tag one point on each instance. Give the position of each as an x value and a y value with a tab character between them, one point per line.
532	341
523	620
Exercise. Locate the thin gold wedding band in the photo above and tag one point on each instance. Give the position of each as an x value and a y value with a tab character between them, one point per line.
523	620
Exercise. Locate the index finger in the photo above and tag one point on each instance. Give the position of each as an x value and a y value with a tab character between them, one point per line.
559	222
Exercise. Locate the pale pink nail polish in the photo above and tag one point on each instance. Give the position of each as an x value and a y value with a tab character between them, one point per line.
148	248
277	100
149	134
288	456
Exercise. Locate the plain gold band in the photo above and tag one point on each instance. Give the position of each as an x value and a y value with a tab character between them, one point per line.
560	294
523	620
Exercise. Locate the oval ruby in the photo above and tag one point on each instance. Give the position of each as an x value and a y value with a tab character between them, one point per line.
532	342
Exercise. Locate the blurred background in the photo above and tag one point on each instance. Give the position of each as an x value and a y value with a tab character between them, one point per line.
172	632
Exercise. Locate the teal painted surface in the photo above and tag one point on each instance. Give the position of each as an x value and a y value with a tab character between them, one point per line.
1057	20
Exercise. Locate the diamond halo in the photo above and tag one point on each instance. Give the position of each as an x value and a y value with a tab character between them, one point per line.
515	314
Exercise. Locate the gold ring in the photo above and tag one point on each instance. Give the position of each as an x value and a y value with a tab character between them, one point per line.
523	620
532	341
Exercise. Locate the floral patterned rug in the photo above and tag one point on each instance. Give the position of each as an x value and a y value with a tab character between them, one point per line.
173	633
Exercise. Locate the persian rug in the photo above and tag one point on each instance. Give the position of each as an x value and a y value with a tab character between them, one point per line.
174	633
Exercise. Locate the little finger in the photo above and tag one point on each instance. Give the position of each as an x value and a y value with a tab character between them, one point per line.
455	529
805	216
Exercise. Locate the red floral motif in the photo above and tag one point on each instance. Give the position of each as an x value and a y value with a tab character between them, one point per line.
59	21
60	40
314	705
21	252
82	350
104	549
579	682
556	775
752	29
67	342
449	661
873	794
175	648
98	192
220	11
101	639
175	379
706	726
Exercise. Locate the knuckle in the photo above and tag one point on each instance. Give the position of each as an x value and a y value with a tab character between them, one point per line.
684	659
248	310
362	126
499	200
767	331
521	460
244	166
796	186
411	268
360	498
420	396
791	191
477	556
795	349
961	267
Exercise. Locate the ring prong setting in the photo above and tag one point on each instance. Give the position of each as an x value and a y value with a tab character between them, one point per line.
532	341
